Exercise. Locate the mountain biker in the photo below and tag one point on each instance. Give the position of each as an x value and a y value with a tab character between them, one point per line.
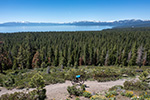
77	77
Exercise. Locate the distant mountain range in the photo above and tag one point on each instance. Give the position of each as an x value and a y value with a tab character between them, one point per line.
120	23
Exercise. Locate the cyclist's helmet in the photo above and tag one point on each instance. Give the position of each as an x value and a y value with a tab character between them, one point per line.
78	76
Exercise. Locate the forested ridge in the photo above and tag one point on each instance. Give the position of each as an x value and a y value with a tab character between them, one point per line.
124	47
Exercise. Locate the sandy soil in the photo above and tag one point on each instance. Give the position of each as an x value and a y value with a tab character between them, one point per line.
59	91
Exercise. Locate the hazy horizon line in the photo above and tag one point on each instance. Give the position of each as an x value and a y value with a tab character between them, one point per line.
71	21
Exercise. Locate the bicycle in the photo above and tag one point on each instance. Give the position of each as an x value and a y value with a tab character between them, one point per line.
78	80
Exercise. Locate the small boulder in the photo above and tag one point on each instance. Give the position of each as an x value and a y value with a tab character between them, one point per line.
125	75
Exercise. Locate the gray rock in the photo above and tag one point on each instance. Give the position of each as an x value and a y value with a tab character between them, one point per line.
125	75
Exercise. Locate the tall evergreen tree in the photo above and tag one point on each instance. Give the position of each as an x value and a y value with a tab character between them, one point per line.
21	58
139	57
56	62
133	55
36	60
86	54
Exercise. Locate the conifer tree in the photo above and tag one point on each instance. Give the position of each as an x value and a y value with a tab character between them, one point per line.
133	55
102	58
148	57
21	58
124	57
91	56
62	60
56	62
107	59
36	60
86	54
139	56
145	59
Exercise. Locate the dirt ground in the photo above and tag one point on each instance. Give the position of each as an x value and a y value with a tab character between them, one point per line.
59	91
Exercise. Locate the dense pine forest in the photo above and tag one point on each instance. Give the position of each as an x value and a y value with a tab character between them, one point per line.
121	47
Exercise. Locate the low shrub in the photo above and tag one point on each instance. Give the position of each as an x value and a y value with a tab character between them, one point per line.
2	77
52	80
87	94
70	74
127	71
105	74
135	97
38	94
16	96
37	81
111	94
33	95
83	87
129	94
135	85
66	99
143	76
98	97
74	90
101	79
123	94
145	95
116	87
9	81
77	98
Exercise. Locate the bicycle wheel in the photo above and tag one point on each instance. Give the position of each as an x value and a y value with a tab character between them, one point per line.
73	82
81	81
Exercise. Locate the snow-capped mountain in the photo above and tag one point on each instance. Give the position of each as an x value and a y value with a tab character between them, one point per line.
120	23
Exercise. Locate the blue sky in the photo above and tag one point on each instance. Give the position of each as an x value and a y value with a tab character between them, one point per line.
73	10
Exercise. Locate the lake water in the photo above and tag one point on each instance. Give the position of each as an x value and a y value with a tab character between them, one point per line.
9	29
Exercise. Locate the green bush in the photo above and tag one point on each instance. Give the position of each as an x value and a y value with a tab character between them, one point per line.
52	80
98	97
77	98
40	95
143	76
129	93
122	93
87	94
37	81
116	87
83	87
105	74
74	90
135	85
67	99
2	77
16	96
111	94
9	81
145	95
33	95
127	71
70	74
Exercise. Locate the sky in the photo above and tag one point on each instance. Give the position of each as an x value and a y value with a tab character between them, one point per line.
73	10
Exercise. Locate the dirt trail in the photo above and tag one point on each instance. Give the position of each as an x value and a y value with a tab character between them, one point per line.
59	91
